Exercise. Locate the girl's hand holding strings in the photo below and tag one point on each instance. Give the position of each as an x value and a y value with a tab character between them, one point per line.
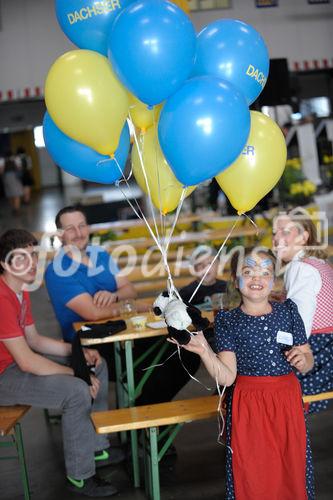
198	344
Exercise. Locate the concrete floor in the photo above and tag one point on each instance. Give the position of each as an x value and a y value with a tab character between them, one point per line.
197	473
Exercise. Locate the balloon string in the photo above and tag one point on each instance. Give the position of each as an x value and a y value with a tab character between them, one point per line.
159	364
172	290
139	149
158	177
220	417
180	205
138	213
253	223
181	361
178	350
216	256
146	179
171	286
103	161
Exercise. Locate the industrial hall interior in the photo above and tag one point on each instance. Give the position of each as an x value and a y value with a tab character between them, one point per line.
166	249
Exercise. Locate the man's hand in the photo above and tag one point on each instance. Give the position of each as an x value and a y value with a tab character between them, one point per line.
94	388
297	358
93	358
104	298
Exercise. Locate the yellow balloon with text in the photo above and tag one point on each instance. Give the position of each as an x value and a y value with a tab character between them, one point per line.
141	115
86	101
165	189
258	168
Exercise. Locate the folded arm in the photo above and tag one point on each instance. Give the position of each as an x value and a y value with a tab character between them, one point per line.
31	362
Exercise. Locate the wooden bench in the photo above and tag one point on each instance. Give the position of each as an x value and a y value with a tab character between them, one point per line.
156	271
190	238
148	419
172	414
10	426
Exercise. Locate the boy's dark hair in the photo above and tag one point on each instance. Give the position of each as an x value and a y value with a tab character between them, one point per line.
12	240
235	259
68	210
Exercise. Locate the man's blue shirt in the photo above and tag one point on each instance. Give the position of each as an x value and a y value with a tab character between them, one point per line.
66	278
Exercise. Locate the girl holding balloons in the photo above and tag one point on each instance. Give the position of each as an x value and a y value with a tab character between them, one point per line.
259	345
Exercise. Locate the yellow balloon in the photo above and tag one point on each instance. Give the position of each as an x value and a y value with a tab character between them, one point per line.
258	168
85	99
165	189
183	4
141	116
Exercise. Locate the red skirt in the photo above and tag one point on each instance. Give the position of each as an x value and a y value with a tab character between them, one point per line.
268	439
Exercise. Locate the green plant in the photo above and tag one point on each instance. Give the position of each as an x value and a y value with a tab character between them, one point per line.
293	186
102	236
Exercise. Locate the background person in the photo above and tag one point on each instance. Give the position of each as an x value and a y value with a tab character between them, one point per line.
12	182
201	258
308	281
83	281
24	163
88	295
28	377
211	294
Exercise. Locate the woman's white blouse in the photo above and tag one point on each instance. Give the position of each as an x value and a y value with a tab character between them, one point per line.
303	283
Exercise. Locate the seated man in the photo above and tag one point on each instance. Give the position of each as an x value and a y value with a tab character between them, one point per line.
200	260
28	377
90	290
208	297
83	281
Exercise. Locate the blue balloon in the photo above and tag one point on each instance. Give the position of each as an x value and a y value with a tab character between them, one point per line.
203	128
152	49
82	161
88	23
236	52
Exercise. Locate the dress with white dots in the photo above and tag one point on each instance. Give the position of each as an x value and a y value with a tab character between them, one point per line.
261	363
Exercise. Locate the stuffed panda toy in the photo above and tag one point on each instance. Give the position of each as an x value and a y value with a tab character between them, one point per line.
179	316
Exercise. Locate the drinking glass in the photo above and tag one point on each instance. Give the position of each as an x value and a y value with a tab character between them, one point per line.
217	302
127	309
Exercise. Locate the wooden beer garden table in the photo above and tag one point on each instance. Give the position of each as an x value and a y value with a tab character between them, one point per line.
127	388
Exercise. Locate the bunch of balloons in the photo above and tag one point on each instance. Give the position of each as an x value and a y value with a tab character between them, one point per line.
187	93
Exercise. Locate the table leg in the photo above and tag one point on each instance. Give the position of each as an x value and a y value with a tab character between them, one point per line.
154	464
131	402
119	386
118	369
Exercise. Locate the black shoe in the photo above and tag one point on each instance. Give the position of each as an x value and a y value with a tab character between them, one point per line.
92	487
110	456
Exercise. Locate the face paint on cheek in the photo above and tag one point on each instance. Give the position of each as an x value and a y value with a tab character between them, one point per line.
271	284
240	282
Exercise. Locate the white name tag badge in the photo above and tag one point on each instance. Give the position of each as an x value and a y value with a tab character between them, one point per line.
284	338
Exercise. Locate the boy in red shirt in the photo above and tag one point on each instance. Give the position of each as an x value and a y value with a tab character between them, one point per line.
29	377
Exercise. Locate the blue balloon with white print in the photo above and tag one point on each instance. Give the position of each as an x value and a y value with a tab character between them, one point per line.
152	47
87	23
203	128
80	160
236	52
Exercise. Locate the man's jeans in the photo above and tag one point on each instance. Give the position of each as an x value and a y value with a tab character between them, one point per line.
72	396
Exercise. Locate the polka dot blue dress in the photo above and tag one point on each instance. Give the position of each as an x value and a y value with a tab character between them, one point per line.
320	378
254	340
